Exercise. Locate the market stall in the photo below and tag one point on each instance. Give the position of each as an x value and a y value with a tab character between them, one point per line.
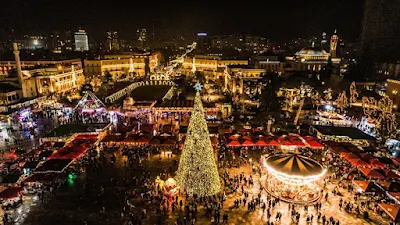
371	173
367	186
11	197
392	210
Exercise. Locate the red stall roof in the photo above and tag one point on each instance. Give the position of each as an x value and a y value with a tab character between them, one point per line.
261	142
10	192
359	163
233	143
247	143
371	173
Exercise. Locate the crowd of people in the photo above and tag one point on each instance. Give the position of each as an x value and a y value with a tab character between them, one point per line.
143	201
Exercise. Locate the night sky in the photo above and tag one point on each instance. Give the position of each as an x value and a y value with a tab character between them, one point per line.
273	19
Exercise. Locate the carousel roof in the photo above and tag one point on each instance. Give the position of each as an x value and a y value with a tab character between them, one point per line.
294	165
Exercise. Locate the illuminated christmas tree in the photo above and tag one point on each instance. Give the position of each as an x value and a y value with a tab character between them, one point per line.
197	172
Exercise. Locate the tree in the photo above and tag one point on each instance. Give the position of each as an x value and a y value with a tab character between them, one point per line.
107	76
342	101
197	173
269	100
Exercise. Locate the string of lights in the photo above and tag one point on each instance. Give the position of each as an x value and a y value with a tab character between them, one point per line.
197	173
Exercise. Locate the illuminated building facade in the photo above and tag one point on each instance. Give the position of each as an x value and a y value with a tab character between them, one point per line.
333	45
310	58
269	62
117	65
10	93
81	41
242	79
393	91
212	66
49	80
6	66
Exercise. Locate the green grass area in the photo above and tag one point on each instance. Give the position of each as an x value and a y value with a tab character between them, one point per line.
150	93
69	129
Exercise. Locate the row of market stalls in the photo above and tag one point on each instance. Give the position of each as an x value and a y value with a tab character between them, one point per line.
140	139
378	174
343	135
284	141
145	136
390	189
42	166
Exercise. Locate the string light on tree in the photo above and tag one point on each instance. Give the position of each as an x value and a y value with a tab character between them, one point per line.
197	173
328	95
353	93
342	101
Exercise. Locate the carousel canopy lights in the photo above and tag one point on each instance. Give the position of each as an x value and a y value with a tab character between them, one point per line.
294	169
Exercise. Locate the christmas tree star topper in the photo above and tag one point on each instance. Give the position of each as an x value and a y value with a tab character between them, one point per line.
198	86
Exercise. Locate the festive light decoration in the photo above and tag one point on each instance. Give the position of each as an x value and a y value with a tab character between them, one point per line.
288	102
385	105
169	70
353	93
381	113
306	165
342	101
197	173
292	177
369	106
198	86
89	101
328	95
316	99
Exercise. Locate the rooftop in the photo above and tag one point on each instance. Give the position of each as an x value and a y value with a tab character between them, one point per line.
181	104
150	93
69	129
6	87
312	51
242	67
350	132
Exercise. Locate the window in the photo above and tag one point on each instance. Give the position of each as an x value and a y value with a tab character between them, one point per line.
9	98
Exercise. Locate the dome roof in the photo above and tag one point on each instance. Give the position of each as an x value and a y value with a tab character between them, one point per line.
294	165
312	51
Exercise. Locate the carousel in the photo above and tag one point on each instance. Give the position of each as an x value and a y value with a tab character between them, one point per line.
293	178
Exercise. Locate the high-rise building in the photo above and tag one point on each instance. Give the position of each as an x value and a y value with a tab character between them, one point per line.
381	30
81	41
142	36
324	41
334	44
112	41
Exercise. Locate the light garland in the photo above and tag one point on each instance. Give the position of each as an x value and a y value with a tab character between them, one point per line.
197	172
296	180
342	101
353	93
